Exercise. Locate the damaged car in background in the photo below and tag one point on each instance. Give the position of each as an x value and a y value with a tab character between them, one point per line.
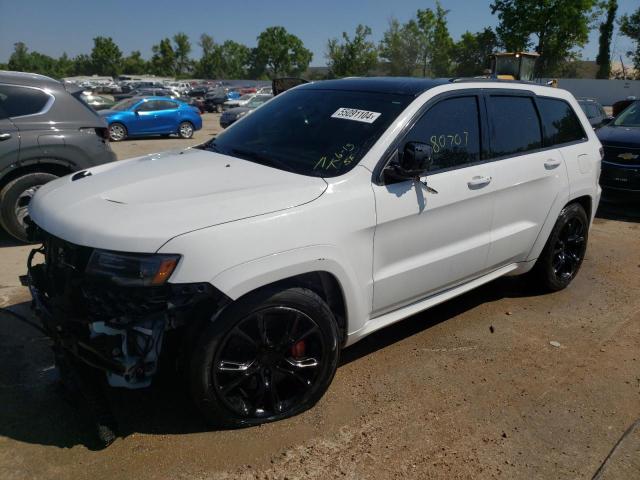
333	210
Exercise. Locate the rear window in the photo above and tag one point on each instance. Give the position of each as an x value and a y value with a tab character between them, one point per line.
515	127
561	125
18	101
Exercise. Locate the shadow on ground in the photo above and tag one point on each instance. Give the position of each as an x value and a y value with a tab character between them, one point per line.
37	409
619	209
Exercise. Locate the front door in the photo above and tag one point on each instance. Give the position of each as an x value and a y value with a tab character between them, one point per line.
427	242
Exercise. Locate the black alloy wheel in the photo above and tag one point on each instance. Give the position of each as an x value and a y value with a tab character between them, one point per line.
565	249
269	356
269	362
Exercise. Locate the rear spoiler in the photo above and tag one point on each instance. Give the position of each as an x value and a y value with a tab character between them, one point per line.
279	85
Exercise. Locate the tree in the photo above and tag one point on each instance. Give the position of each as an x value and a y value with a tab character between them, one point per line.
163	59
234	59
280	53
24	61
558	27
82	65
182	51
630	27
471	54
353	56
207	66
401	47
134	64
19	59
64	66
441	43
606	31
106	57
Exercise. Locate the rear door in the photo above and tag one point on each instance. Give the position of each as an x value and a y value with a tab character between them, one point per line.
167	116
527	177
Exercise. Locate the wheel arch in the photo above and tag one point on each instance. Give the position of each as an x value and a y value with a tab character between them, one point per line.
53	166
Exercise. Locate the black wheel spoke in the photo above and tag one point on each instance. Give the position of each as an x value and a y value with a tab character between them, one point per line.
308	362
237	381
298	338
233	366
262	328
245	336
295	375
273	391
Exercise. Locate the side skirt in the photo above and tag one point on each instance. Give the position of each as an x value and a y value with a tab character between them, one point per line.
392	317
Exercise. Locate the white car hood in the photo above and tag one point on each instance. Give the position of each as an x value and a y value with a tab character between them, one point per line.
137	205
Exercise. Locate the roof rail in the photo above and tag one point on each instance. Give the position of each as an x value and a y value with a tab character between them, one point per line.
491	79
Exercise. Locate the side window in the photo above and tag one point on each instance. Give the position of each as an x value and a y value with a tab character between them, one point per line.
452	128
18	101
165	105
149	106
561	125
515	125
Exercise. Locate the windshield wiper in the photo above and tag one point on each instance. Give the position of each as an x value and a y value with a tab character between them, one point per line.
260	158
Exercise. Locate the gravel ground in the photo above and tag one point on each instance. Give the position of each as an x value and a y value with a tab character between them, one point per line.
470	389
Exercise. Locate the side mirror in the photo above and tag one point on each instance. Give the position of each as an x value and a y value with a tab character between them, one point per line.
416	159
414	162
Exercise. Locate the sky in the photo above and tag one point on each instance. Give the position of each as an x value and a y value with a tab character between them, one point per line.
56	26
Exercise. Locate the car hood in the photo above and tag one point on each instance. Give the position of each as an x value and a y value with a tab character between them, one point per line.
137	205
619	136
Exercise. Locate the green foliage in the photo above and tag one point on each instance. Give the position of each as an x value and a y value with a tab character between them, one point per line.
471	54
82	65
630	27
182	50
163	59
352	57
134	64
279	53
401	47
230	60
604	42
106	57
441	45
558	26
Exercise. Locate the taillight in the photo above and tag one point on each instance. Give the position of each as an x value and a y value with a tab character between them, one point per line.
100	132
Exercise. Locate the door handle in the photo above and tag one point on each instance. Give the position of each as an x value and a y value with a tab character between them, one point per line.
552	163
4	136
478	182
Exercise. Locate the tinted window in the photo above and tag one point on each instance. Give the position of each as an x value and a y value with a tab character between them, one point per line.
515	125
165	105
147	106
322	133
561	125
452	129
17	101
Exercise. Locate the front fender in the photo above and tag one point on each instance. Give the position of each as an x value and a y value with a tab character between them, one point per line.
244	278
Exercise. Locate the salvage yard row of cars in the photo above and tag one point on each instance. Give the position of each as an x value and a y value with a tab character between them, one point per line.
373	199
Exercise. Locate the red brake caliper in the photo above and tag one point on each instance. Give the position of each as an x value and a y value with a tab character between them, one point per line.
298	349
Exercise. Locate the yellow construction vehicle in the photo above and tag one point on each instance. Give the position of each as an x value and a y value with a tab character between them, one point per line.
513	65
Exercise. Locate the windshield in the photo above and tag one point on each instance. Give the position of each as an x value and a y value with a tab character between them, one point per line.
125	104
320	133
630	117
257	101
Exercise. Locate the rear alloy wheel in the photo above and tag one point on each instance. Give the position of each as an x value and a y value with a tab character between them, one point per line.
564	251
14	202
117	132
266	358
185	130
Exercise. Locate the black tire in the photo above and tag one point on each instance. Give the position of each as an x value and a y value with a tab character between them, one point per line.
14	200
564	251
117	132
186	129
278	371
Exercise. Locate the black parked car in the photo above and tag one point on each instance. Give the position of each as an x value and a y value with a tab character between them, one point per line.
621	162
594	112
214	99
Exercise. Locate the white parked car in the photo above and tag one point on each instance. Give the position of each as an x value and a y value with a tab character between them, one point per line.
239	102
334	210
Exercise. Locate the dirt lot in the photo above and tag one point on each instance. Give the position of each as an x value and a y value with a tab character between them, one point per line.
470	389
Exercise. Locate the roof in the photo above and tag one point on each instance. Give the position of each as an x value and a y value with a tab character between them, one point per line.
396	85
28	79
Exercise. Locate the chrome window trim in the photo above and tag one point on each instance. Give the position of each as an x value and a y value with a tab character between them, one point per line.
45	109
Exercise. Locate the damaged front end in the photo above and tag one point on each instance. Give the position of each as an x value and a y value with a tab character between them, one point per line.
112	310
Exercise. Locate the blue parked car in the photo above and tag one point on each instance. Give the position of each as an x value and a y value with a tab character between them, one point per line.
151	116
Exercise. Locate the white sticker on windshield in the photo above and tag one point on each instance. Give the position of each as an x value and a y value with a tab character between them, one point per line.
355	114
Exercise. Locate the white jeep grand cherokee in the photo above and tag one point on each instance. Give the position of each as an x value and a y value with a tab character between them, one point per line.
332	211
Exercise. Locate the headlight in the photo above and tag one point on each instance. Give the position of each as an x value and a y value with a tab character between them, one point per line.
132	269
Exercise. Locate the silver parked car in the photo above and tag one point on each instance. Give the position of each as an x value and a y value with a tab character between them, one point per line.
45	133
